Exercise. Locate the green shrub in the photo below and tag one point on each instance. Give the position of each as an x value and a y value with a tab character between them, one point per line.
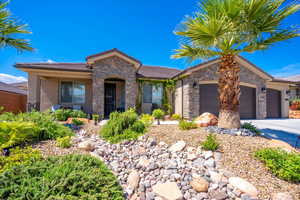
210	143
18	156
68	177
45	122
147	119
95	117
176	117
251	128
77	122
16	133
187	125
122	126
281	163
64	142
64	114
158	114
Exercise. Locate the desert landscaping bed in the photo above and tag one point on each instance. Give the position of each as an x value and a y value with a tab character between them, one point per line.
237	157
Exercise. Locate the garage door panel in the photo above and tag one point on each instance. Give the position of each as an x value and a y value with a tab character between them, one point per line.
209	100
273	103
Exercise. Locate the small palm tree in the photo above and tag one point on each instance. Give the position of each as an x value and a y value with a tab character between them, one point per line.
226	28
9	28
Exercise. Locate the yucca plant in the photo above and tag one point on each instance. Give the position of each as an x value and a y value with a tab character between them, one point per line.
10	28
226	28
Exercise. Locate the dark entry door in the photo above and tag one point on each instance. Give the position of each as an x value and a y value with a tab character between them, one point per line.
209	100
273	103
109	98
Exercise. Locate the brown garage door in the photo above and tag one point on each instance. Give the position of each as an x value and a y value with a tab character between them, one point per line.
273	103
209	101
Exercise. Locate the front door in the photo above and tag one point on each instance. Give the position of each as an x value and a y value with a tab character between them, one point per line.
109	98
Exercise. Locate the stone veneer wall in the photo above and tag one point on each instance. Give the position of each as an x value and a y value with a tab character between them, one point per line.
191	96
113	67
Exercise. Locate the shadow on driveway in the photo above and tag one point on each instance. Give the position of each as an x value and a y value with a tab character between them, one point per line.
291	138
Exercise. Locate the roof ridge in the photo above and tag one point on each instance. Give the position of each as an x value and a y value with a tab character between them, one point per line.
165	67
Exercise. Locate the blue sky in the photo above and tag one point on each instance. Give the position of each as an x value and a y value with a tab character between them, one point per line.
68	31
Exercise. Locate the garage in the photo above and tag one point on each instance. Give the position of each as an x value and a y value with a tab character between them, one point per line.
209	100
273	103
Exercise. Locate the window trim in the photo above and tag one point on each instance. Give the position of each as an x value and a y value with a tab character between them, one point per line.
71	103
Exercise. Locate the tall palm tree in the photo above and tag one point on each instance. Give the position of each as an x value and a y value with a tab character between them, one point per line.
226	28
10	28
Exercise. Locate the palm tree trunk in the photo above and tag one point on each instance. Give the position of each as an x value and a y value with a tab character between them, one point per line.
229	93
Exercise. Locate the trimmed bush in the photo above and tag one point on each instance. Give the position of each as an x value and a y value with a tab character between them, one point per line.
158	114
16	133
146	119
64	142
251	128
281	163
77	122
95	118
18	156
176	117
64	114
67	177
187	125
47	127
211	143
122	126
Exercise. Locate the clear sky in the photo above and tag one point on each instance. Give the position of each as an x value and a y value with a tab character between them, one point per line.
70	30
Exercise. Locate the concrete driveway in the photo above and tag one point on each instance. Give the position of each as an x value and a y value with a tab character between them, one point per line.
287	130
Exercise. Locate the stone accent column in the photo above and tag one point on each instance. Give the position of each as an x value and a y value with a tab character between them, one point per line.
98	96
130	93
261	111
33	100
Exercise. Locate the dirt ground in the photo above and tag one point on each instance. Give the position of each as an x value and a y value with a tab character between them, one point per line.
237	157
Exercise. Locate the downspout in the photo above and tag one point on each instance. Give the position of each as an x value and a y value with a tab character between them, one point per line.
182	98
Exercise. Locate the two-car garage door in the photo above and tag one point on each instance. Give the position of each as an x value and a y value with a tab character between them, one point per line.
209	101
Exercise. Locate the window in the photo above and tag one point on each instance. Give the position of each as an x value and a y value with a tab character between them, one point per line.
72	92
153	93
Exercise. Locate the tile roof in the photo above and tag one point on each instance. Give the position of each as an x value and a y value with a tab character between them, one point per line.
21	85
144	72
295	78
9	88
80	67
157	72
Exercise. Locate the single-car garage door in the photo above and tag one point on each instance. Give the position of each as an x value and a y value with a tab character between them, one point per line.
273	103
209	101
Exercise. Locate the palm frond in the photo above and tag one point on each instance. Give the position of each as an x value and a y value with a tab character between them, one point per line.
193	53
10	29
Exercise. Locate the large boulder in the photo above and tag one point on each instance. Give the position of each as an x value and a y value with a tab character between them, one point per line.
87	145
243	186
206	119
133	179
200	184
178	146
168	191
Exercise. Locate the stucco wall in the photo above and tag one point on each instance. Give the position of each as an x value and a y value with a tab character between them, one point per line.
50	93
191	96
33	91
113	67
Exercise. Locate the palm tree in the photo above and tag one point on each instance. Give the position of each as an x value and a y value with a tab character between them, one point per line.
10	28
226	28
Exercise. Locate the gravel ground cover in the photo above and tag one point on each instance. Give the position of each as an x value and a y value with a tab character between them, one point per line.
237	157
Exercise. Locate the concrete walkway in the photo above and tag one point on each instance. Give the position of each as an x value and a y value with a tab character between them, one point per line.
287	130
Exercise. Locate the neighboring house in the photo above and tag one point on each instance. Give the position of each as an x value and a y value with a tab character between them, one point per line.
21	85
110	80
12	99
295	87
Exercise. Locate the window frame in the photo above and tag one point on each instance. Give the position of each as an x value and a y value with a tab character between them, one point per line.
152	88
71	103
